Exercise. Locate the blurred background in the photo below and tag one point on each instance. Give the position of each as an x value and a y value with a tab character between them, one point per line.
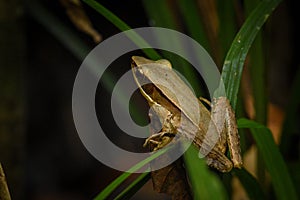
42	45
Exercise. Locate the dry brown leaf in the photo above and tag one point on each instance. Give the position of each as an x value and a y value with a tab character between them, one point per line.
171	179
79	18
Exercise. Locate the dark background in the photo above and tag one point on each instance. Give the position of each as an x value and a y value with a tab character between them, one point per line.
43	156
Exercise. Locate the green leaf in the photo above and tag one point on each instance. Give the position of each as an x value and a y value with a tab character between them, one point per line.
162	15
235	58
130	190
137	39
205	184
195	27
258	83
117	182
190	14
227	24
281	180
258	71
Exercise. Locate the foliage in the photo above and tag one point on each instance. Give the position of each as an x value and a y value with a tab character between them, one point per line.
209	185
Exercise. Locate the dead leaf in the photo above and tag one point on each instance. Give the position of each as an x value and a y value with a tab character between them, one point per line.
171	179
79	18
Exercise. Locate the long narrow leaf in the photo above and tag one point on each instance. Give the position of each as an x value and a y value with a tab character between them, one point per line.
195	28
193	22
235	58
117	182
160	12
137	39
257	68
258	71
204	183
281	180
227	24
134	186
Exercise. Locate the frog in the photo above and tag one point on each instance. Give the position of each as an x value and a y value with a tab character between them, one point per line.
213	131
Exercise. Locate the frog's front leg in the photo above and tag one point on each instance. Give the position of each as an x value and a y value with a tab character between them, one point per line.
163	118
160	140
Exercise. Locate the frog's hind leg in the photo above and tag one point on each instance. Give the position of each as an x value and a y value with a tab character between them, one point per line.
218	161
233	138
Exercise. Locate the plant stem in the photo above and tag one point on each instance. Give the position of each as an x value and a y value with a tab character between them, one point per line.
4	192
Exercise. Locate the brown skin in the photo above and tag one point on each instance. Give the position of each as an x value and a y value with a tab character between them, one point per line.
179	117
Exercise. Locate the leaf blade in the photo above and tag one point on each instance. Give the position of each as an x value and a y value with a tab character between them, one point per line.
204	183
235	58
281	180
130	190
117	182
136	38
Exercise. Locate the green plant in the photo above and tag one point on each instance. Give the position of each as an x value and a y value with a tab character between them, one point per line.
231	75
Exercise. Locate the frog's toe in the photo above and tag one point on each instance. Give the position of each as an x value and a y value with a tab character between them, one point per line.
150	141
